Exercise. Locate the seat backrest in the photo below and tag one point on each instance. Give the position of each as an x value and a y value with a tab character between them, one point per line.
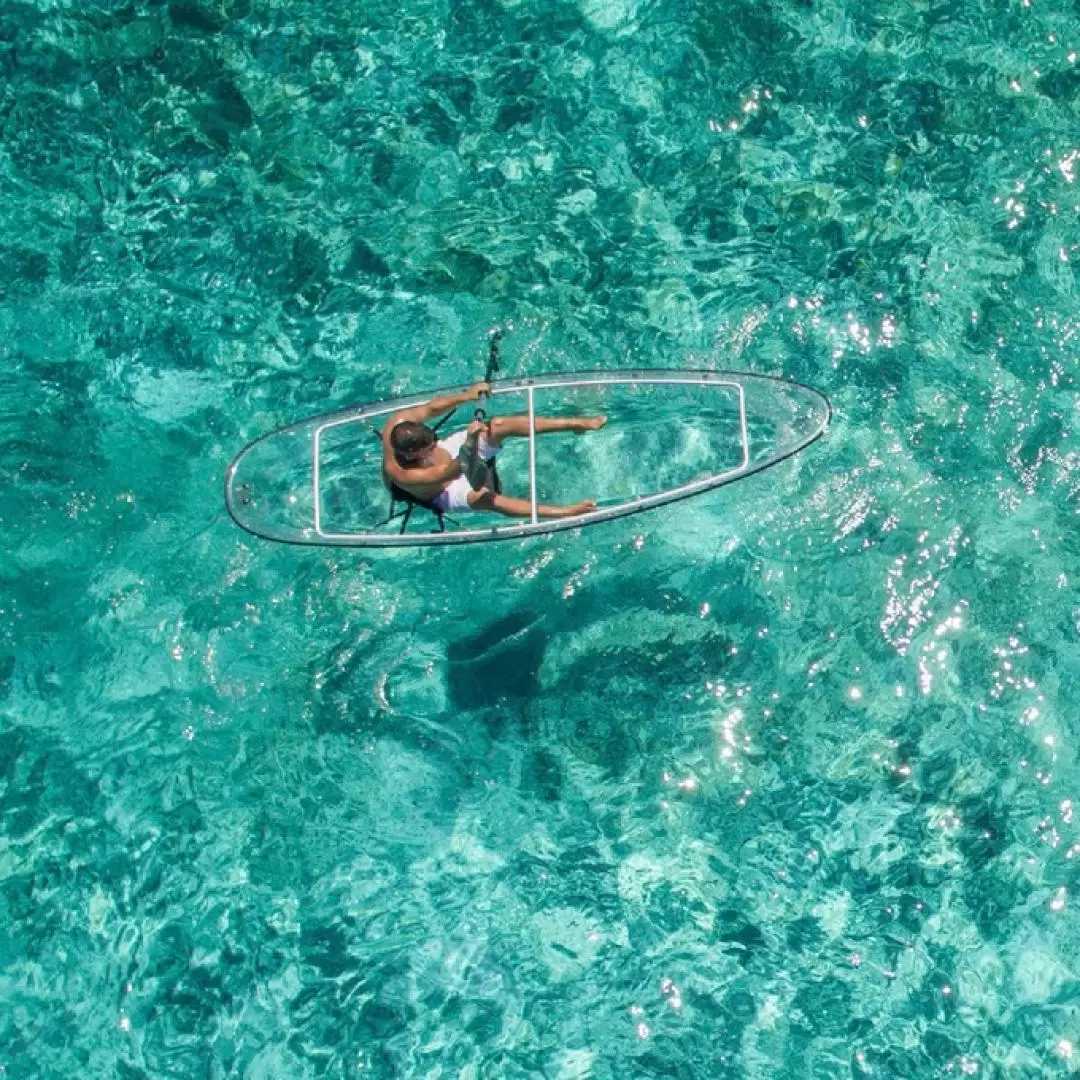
399	494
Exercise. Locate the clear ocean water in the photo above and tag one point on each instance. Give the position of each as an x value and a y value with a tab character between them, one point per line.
779	783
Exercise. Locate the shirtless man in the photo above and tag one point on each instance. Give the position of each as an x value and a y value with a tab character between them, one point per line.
430	469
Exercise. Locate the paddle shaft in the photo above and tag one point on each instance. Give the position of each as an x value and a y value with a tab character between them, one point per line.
476	472
492	368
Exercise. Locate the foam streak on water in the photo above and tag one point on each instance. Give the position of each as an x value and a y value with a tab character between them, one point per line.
780	783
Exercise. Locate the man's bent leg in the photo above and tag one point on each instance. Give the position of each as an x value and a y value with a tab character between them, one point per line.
503	426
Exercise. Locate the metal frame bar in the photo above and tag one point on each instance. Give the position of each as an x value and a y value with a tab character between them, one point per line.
534	527
532	453
641	502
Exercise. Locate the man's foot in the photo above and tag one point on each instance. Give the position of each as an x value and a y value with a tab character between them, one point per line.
585	507
591	423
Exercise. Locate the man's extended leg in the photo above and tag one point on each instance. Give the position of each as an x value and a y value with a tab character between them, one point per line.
503	426
486	499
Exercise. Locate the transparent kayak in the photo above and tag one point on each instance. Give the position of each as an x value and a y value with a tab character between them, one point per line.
670	435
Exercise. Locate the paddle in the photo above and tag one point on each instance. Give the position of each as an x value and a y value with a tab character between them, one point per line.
492	368
472	467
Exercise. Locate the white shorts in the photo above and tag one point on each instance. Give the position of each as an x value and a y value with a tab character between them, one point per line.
455	496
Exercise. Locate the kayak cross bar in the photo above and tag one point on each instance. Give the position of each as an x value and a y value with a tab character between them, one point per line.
532	454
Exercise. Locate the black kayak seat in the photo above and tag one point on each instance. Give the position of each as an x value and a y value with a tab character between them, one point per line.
411	502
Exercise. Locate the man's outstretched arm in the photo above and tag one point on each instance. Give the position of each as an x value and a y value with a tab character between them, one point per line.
437	406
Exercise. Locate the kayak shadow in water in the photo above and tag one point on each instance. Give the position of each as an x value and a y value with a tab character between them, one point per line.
498	665
592	682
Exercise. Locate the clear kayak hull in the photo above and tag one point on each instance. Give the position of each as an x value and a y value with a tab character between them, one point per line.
670	435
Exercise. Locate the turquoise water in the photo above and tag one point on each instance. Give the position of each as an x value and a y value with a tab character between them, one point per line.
777	783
